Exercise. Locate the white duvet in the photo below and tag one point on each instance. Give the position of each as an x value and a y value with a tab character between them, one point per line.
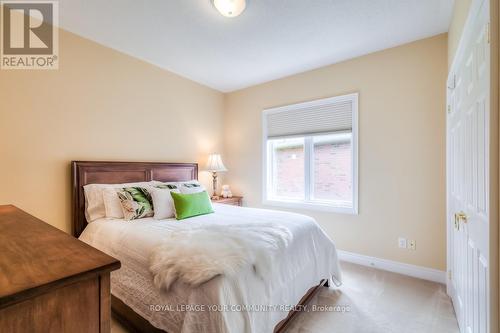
246	302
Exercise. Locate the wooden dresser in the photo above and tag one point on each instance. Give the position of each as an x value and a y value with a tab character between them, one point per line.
50	281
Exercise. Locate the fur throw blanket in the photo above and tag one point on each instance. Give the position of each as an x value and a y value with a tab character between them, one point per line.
196	255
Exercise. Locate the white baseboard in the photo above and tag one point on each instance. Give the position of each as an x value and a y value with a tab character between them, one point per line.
394	266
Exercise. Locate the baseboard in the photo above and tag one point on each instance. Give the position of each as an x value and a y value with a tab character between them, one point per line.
394	266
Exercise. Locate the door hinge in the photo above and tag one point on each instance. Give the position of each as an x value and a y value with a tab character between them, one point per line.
488	32
449	274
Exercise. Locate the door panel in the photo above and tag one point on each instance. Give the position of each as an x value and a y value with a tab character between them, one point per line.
468	178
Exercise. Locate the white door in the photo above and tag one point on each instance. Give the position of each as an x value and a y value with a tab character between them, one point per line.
468	175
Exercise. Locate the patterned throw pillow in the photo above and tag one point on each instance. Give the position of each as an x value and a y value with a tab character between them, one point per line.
190	187
167	186
136	203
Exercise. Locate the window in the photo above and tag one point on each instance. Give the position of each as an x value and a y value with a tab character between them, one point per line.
311	155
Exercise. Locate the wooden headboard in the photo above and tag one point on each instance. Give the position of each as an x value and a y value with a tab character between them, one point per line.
84	173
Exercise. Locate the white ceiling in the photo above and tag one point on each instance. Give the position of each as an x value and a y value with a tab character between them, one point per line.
270	40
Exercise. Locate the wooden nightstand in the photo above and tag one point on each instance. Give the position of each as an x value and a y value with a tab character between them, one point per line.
235	201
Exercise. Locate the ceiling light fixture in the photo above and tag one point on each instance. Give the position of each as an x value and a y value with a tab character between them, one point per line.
230	8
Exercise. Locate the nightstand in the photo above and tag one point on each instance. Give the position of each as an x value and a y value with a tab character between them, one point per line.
235	201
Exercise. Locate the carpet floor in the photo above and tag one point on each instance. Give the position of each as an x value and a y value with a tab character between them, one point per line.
374	301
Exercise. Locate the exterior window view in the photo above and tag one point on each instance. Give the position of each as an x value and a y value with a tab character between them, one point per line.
332	169
287	169
329	169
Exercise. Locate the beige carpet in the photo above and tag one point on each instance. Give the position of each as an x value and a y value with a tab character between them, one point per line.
375	301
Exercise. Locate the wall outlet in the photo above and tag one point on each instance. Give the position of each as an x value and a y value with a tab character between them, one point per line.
402	243
412	245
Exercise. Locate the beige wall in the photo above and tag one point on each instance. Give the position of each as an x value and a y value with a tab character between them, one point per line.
100	105
401	149
104	105
460	12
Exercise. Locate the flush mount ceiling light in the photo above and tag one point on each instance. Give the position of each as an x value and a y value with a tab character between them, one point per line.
230	8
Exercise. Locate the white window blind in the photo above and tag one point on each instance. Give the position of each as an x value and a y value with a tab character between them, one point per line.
328	115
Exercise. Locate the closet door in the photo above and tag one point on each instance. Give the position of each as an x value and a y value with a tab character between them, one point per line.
468	177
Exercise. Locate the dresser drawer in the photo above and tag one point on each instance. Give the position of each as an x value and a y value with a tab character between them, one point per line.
74	308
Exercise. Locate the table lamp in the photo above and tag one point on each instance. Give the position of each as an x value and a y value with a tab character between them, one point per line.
215	165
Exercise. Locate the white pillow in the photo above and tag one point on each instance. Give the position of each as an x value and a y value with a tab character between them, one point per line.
112	203
192	186
94	198
163	203
94	202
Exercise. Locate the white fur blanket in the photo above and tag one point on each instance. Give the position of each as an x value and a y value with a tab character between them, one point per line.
196	255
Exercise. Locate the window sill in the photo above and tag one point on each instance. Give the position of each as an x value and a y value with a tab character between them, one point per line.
310	206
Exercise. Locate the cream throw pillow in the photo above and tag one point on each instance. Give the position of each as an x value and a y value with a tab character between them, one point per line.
162	200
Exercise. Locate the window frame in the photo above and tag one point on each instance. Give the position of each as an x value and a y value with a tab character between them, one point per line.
308	167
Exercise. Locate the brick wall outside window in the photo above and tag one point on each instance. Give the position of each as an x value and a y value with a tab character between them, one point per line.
332	171
290	172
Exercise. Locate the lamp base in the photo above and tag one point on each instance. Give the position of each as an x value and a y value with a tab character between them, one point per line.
214	179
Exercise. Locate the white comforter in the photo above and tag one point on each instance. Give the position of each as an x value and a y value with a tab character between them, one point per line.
245	303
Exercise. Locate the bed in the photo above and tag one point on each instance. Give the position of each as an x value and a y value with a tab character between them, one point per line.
309	263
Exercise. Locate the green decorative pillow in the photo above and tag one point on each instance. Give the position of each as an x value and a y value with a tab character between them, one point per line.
136	202
189	205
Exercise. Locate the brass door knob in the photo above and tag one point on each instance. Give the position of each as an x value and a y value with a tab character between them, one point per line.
461	216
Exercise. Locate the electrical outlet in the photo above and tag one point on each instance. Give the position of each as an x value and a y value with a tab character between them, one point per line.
402	242
412	245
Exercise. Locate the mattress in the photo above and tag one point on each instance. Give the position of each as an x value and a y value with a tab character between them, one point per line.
246	303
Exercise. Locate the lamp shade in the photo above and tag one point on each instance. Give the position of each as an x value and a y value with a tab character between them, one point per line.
215	164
